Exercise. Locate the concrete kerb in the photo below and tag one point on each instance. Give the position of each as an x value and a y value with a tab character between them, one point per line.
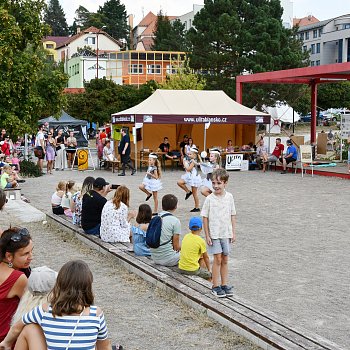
263	329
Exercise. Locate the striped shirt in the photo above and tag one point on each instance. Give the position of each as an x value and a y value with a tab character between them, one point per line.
58	330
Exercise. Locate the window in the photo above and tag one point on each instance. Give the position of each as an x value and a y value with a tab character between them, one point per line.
305	48
307	36
312	48
320	32
190	22
171	69
318	48
301	36
112	56
346	26
50	57
153	69
49	46
312	63
135	68
318	62
315	34
90	40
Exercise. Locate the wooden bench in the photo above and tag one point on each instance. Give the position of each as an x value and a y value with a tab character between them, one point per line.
260	326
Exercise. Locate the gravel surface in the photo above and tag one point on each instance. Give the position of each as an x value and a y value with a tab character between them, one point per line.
292	251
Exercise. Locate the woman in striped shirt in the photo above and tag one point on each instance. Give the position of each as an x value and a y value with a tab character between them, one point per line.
70	321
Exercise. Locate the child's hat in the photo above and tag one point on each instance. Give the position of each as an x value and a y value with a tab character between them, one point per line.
214	151
153	155
41	280
195	223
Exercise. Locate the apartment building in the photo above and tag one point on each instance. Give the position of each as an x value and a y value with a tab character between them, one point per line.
123	67
327	41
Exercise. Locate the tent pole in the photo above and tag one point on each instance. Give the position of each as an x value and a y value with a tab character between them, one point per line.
205	138
135	141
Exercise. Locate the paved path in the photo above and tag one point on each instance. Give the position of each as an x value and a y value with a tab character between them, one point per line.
292	251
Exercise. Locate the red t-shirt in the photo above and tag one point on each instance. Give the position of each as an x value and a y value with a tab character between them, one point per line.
278	151
5	148
103	135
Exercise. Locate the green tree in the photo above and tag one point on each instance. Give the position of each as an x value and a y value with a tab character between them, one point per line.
30	86
169	36
234	36
183	80
82	17
54	16
114	17
102	97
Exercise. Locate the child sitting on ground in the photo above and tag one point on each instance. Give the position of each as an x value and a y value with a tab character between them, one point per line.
56	199
15	161
138	231
193	255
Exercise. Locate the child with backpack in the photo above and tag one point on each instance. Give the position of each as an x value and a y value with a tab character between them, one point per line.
151	184
219	222
163	234
193	256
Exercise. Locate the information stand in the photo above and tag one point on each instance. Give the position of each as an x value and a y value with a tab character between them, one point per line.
83	154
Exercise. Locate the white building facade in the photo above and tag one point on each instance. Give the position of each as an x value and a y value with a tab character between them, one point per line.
327	41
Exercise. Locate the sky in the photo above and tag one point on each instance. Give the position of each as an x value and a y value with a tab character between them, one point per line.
321	9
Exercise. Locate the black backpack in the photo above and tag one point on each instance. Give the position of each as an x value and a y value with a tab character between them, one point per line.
154	231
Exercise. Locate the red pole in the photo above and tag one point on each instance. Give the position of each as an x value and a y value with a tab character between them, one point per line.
239	88
313	111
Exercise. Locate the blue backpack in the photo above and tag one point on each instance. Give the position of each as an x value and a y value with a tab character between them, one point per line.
154	231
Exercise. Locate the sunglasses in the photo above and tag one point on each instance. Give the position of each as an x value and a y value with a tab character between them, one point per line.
17	237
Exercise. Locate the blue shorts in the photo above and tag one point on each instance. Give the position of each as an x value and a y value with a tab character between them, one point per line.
219	246
8	185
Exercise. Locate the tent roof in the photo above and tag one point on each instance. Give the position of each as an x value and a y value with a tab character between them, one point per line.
64	119
190	106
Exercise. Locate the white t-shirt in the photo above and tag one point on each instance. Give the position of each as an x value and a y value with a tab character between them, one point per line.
39	136
218	210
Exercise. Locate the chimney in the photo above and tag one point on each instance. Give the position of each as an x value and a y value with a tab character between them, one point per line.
78	30
131	27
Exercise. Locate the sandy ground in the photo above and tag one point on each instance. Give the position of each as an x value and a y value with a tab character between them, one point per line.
291	256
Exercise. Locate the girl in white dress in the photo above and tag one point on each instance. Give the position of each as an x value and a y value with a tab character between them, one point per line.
207	169
191	177
115	217
151	183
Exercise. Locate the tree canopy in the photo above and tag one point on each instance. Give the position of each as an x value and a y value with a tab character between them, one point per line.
230	37
169	36
54	16
112	15
102	97
30	85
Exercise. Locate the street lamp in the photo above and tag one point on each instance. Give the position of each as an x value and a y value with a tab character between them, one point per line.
97	34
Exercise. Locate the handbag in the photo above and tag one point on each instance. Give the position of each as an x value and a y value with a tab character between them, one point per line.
38	152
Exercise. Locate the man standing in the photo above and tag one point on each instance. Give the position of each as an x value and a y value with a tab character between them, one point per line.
183	144
124	151
291	156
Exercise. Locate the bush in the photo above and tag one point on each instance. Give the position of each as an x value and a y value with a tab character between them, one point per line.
30	169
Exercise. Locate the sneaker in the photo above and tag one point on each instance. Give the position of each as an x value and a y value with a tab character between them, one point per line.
218	292
148	197
227	290
133	172
284	172
121	174
188	195
195	210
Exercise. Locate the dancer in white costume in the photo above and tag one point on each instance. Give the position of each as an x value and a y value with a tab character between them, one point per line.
207	169
191	177
151	183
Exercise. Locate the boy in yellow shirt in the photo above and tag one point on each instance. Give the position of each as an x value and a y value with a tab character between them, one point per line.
193	255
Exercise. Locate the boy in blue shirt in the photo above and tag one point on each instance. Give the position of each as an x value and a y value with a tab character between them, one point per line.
291	156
